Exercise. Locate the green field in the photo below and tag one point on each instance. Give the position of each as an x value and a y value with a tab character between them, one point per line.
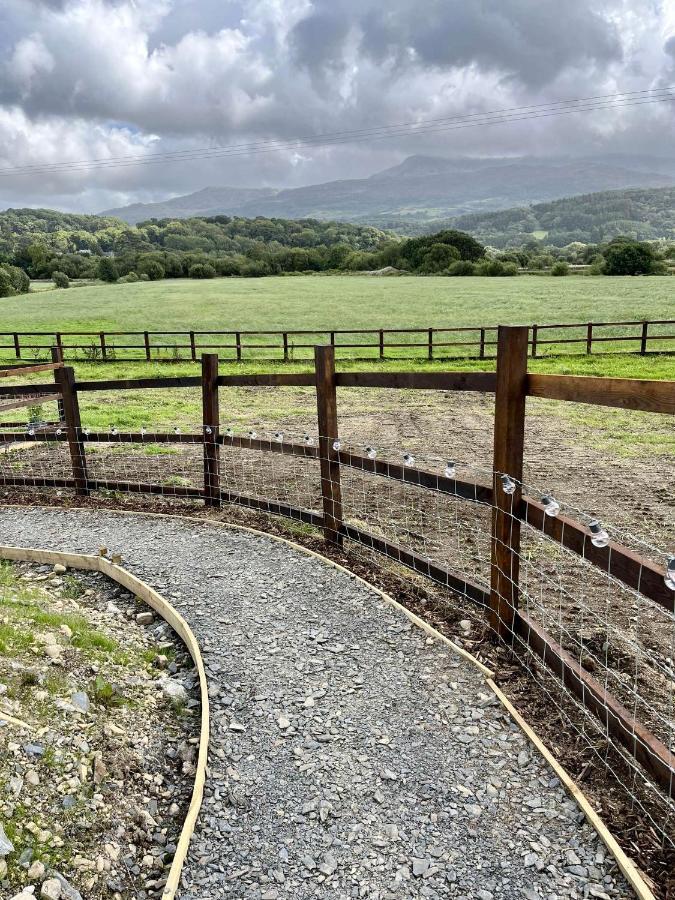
321	303
339	301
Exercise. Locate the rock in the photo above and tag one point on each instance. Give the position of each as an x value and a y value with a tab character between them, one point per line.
145	618
80	700
161	661
28	893
59	569
571	858
465	625
523	758
283	722
6	846
36	870
420	866
100	770
66	630
51	889
173	690
68	892
53	651
328	865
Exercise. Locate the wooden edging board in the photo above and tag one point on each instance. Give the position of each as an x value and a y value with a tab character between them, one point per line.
625	864
180	626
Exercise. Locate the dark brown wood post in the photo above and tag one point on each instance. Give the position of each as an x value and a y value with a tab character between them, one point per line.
381	344
589	338
643	338
431	343
193	347
211	427
146	341
509	439
332	338
285	346
326	404
481	353
104	351
237	339
59	344
535	328
65	378
57	357
17	346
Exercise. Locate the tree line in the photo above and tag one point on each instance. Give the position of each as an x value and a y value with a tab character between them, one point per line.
231	246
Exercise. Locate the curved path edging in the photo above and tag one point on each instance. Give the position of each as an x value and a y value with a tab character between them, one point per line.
625	864
161	606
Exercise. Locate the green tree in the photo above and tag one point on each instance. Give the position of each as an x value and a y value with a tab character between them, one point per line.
628	258
560	268
107	269
438	257
152	268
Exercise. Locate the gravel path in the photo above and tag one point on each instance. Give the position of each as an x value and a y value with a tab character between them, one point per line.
352	755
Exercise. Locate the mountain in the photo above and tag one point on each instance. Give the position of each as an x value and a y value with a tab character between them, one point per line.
210	201
423	188
645	214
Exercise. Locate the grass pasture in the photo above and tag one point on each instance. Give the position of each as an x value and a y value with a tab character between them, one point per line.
320	303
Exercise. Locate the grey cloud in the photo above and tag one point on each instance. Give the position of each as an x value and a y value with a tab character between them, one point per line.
532	41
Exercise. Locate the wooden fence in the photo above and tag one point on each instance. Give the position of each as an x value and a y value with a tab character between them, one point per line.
511	385
657	335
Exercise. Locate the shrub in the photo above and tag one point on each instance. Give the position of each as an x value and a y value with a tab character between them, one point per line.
144	276
628	258
60	279
129	278
6	288
461	267
153	269
560	268
201	270
495	268
107	270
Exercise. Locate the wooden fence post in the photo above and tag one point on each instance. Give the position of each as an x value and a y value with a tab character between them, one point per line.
237	340
326	404
643	338
589	338
211	428
146	341
65	378
509	439
17	346
535	328
381	343
57	357
481	353
104	351
193	347
285	346
431	343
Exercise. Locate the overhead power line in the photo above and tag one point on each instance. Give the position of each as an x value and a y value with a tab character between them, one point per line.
623	100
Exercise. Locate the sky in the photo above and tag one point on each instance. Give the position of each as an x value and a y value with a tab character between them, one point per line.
85	80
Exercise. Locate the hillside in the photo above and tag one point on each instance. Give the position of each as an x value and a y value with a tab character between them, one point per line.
67	233
645	214
423	188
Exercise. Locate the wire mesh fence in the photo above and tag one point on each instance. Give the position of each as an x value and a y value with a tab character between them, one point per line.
617	645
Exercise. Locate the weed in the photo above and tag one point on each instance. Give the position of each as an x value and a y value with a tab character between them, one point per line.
104	693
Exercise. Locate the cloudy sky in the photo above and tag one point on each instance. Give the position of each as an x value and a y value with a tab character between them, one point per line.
94	79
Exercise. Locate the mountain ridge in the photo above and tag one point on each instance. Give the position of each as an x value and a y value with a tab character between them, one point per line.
422	188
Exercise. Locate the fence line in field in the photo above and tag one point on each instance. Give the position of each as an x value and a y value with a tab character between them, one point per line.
479	342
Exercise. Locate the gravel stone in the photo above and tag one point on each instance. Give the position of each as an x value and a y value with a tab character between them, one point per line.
379	788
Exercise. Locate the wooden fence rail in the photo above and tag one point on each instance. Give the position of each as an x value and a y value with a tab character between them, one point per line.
479	342
511	385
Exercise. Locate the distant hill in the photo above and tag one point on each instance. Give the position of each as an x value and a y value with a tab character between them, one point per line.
645	214
422	189
210	201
